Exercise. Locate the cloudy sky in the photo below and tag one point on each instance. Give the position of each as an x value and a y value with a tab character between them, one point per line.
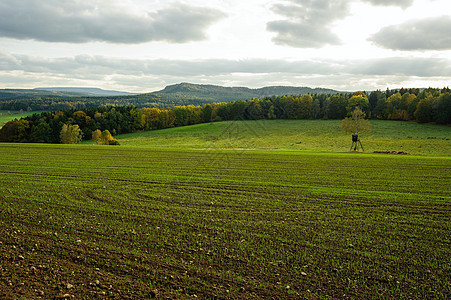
144	45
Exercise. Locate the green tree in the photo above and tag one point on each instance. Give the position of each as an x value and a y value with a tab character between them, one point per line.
271	114
254	111
222	112
443	110
206	113
380	111
423	111
81	118
292	107
15	131
412	107
238	110
41	133
316	109
336	107
373	99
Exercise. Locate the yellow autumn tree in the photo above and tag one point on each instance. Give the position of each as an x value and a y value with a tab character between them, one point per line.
96	136
356	123
70	134
105	137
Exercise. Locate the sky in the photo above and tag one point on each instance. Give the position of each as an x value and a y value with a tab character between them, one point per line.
144	45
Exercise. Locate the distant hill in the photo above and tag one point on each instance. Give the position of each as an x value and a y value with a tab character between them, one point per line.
85	91
13	94
199	94
220	93
60	98
56	92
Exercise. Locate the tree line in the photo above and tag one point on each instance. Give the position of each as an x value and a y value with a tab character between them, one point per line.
101	123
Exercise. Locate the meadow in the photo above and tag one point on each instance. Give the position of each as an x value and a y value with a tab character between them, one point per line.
305	135
6	116
228	211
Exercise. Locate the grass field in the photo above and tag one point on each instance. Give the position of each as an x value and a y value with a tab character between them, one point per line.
317	135
6	117
174	215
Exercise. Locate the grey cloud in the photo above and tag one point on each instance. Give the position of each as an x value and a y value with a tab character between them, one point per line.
401	3
104	66
145	75
426	34
85	21
307	22
399	66
183	23
301	35
85	64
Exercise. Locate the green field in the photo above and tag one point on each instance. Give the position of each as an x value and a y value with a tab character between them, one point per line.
6	116
316	135
228	211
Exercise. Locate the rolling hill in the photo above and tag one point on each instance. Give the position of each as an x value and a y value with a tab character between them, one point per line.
85	91
199	94
220	93
14	94
173	95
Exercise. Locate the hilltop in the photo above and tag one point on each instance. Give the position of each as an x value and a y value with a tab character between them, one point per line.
198	94
226	94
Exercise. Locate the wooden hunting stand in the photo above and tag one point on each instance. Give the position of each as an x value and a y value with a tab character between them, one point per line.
356	142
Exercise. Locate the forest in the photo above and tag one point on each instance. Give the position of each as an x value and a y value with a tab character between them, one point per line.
100	122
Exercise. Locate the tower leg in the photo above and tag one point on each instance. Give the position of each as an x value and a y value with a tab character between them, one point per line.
355	145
